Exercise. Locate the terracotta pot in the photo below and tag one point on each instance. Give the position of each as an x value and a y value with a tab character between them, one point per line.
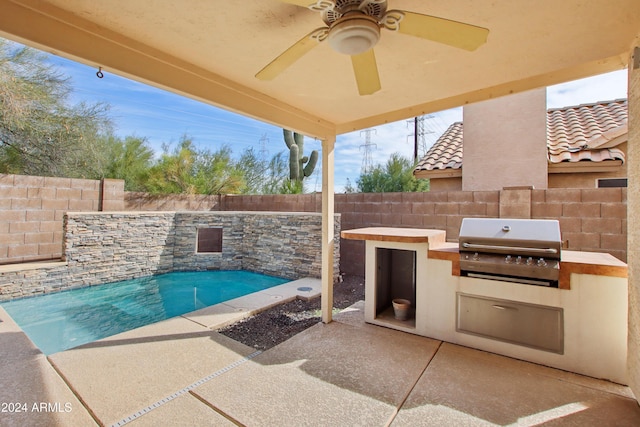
401	308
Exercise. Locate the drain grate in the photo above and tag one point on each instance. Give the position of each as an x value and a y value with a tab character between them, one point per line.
305	289
185	390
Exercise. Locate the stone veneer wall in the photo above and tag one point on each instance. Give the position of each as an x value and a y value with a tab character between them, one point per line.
280	244
290	248
186	225
109	247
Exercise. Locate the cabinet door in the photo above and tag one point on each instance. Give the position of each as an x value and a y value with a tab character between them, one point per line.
536	326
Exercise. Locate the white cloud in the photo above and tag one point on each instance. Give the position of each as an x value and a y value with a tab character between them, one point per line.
604	87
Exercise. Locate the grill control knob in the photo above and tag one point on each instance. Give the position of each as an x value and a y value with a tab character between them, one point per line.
529	261
519	260
475	257
508	259
542	262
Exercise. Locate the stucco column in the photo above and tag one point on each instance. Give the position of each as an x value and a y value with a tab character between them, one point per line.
328	226
633	219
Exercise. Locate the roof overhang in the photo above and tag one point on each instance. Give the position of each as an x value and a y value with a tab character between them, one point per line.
611	138
585	167
211	51
438	173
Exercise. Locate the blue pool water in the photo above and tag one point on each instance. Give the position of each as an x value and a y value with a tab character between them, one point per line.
63	320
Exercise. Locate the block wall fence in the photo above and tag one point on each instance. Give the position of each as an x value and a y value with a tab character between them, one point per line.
592	220
31	211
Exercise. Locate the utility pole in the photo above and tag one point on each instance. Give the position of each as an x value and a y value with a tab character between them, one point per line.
367	161
419	135
415	139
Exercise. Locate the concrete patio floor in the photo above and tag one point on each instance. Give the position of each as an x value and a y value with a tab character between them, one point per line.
180	372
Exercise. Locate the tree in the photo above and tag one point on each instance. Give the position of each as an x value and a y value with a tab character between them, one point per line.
40	133
395	176
191	171
253	170
349	188
217	173
129	160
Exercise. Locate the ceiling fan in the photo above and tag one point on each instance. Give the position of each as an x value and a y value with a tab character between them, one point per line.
353	28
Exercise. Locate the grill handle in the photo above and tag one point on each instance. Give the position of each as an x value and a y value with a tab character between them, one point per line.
509	248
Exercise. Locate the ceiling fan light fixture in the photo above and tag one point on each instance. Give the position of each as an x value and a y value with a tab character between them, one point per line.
354	35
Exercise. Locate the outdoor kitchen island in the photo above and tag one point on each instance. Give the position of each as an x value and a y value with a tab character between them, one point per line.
579	326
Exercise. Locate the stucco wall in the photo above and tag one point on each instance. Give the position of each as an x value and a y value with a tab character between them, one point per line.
446	184
505	142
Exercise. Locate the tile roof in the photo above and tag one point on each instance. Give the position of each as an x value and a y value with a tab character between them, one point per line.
446	152
587	132
582	132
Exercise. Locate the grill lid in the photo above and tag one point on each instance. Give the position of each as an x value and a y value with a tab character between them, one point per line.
514	250
531	237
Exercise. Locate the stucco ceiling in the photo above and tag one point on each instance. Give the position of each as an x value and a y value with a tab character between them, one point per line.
211	50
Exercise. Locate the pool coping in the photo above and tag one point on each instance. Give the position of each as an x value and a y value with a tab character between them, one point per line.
226	313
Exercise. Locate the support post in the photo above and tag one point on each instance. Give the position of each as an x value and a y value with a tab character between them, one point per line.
328	227
633	219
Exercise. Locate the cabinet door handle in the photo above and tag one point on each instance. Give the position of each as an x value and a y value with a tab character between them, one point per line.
502	307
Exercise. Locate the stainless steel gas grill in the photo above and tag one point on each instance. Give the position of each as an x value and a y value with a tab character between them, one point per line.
515	250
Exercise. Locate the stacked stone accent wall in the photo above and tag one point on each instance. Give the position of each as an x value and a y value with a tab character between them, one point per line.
110	247
29	281
290	247
187	224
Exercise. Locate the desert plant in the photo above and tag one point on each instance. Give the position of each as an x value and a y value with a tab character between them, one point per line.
297	168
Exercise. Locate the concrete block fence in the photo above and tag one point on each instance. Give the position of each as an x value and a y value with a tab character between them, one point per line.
32	210
103	247
592	219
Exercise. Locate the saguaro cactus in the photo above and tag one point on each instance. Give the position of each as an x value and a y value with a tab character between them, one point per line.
297	168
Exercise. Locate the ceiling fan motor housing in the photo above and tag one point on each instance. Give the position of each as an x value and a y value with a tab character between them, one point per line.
354	34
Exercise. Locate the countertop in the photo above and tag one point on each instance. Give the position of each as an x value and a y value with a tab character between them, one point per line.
392	234
596	263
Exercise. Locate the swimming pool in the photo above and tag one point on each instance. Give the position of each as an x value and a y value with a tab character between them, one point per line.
67	319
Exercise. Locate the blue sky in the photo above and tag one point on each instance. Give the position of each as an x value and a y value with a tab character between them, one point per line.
162	117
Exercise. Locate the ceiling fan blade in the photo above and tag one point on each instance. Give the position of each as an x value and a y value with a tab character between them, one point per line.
366	72
303	3
292	54
446	31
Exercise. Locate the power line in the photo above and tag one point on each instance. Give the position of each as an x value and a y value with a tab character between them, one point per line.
264	152
366	148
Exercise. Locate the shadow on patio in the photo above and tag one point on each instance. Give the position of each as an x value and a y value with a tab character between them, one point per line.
343	373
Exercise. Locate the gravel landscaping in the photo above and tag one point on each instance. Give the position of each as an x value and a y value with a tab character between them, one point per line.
277	324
